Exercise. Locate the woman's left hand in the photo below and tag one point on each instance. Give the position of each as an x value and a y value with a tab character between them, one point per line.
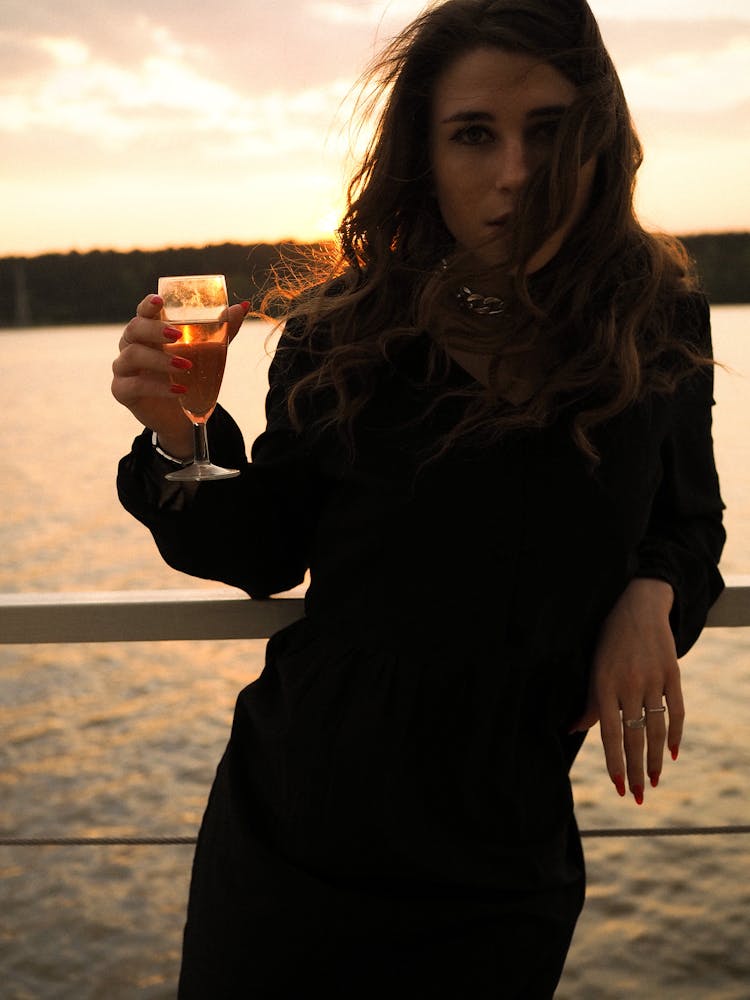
634	669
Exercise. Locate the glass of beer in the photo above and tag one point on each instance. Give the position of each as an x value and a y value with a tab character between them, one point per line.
197	306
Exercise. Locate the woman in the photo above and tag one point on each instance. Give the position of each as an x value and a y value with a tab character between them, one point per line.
489	441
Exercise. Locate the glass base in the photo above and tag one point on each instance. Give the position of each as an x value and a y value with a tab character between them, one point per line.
200	472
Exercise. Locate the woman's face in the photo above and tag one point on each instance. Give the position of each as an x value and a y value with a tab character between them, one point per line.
494	118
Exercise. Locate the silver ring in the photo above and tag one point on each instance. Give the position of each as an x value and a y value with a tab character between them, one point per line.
662	708
635	723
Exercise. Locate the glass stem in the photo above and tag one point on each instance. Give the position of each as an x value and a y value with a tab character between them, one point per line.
200	444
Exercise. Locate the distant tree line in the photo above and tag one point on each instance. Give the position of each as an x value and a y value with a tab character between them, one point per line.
104	286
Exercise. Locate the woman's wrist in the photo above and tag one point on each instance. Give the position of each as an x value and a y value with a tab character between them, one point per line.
656	594
178	455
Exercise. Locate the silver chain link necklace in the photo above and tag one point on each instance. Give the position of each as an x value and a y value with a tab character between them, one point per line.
482	305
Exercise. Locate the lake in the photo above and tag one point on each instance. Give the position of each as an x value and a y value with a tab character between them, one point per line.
107	739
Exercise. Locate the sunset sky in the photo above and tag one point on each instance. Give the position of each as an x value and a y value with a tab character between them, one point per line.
128	123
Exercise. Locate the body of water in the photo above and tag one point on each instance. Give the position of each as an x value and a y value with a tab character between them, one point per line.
108	739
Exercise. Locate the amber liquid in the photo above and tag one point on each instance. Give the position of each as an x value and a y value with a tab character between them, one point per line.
205	344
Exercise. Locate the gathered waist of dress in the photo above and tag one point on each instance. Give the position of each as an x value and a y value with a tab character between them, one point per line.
442	637
400	633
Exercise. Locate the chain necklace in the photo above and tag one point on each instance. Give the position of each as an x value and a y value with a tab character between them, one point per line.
482	305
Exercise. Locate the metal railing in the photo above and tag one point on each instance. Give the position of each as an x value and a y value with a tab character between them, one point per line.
155	615
160	615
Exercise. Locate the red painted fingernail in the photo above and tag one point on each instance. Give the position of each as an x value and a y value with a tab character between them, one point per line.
170	333
156	300
638	794
246	306
675	750
181	363
178	389
619	782
653	778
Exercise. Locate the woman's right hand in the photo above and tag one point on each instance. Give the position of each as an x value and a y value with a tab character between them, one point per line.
141	375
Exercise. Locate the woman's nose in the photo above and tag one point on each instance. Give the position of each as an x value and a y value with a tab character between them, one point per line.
512	168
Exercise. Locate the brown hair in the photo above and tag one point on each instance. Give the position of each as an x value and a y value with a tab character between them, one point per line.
599	315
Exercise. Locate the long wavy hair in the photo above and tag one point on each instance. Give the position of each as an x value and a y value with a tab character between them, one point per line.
592	324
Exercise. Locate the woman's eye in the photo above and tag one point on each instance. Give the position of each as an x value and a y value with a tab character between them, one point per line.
545	132
473	135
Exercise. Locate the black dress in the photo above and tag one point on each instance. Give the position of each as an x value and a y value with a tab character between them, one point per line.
393	815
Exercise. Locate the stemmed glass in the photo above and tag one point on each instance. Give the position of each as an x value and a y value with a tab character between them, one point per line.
197	306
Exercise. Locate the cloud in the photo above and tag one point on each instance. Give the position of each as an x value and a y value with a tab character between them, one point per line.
710	126
693	81
174	86
242	105
366	13
636	42
164	97
673	11
249	45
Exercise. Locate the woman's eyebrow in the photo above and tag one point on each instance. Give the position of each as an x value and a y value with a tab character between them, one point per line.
469	116
546	111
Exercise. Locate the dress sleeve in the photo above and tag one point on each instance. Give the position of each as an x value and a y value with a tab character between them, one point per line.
685	535
254	531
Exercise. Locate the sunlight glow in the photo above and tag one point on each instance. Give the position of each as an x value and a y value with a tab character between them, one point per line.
328	224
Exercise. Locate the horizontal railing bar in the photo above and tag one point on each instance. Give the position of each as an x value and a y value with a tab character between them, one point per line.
158	615
634	831
664	831
96	841
732	609
144	616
